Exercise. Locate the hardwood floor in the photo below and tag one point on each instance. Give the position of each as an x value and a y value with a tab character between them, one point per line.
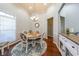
52	50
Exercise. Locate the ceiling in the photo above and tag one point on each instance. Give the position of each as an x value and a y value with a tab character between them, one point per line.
34	7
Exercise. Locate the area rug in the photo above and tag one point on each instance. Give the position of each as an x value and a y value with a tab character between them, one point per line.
18	50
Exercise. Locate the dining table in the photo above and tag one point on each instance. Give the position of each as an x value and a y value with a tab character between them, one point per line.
33	35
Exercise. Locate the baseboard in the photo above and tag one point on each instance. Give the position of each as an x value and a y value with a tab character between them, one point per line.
46	37
55	43
57	46
50	36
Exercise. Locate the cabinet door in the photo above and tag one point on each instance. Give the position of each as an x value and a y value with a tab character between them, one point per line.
62	47
63	50
78	51
71	46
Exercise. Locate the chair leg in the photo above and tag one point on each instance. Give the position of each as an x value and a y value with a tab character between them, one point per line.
41	44
26	47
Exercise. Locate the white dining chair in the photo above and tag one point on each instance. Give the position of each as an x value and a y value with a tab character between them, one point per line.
40	39
24	41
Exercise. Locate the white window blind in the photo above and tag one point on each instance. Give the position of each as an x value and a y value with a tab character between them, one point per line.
7	28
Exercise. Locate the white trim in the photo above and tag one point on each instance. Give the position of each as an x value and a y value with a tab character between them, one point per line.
5	14
55	43
46	37
57	46
50	36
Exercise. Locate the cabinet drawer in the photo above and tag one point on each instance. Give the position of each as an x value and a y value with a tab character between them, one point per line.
72	50
68	41
71	46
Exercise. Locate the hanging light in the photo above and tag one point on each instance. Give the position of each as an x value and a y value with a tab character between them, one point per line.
45	4
35	18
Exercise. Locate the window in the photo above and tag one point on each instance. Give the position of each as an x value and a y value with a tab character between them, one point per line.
7	27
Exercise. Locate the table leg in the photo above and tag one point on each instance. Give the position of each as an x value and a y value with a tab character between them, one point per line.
33	44
26	47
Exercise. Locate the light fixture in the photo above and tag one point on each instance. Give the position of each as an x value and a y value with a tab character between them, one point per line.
30	7
45	4
35	18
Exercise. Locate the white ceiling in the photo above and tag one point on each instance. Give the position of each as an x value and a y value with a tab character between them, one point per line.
34	7
23	8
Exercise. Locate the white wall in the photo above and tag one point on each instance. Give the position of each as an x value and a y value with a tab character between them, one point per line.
23	21
71	14
43	24
22	17
53	12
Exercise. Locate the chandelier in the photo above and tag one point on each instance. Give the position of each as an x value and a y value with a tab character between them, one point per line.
34	18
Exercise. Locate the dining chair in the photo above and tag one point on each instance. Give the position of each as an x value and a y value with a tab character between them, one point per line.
40	40
24	41
25	32
30	31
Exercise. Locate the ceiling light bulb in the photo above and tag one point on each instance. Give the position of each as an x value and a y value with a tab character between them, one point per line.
37	18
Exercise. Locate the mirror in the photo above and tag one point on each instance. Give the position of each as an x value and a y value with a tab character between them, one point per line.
70	18
37	25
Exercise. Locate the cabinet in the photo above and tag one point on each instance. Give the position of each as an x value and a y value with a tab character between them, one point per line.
69	47
78	50
62	45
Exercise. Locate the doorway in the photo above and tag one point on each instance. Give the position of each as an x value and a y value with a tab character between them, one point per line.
62	22
50	27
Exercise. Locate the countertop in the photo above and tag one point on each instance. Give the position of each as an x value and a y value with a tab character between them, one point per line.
71	37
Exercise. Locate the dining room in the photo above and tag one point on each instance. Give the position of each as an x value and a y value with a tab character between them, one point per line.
28	29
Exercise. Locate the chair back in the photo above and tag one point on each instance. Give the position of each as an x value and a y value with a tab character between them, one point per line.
42	36
25	32
37	32
23	37
30	31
